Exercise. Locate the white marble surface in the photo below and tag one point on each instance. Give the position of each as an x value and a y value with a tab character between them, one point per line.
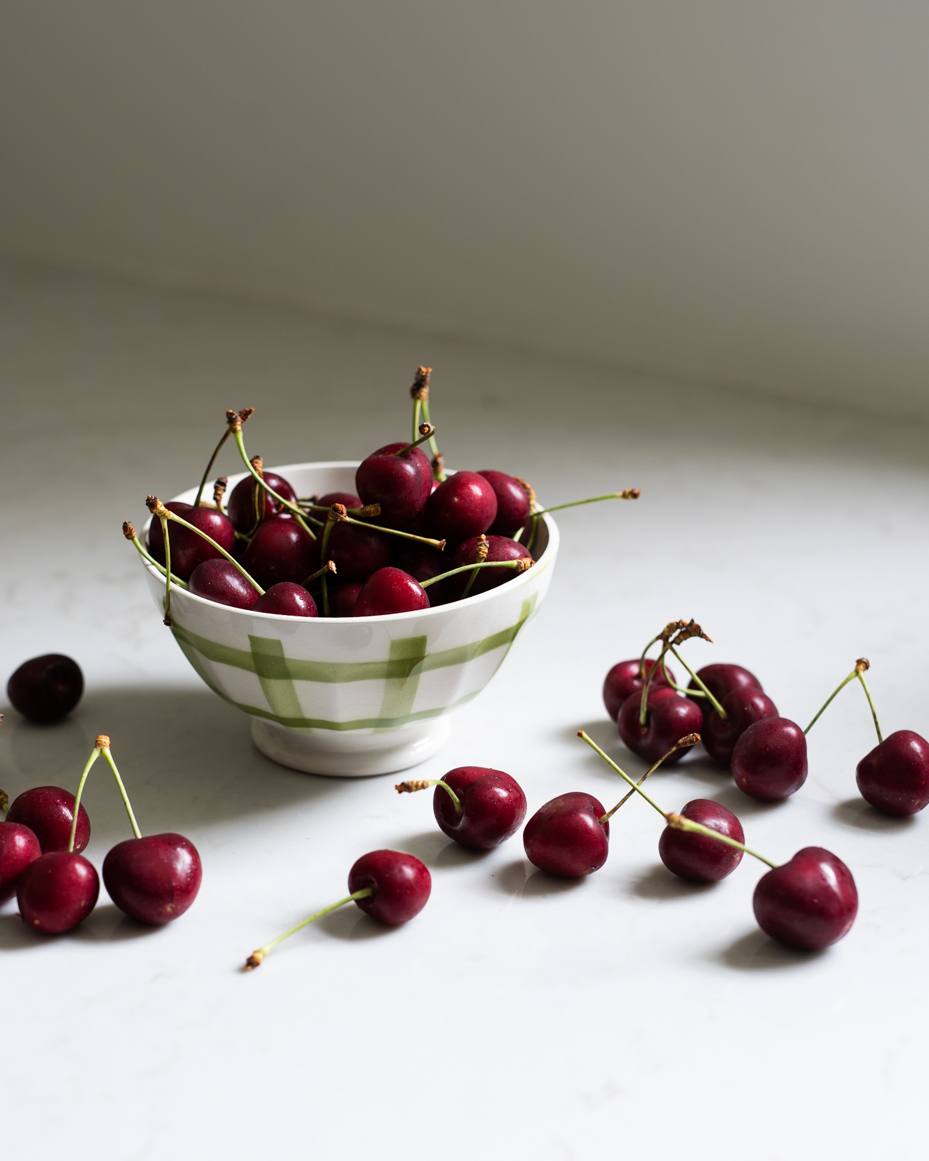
517	1016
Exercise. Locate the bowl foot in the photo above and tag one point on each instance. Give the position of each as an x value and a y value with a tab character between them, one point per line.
351	753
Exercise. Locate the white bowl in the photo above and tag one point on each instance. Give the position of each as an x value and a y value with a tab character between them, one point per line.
353	696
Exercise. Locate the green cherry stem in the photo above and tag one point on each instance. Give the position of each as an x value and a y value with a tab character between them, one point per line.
713	702
367	511
682	743
424	784
517	565
158	509
167	543
420	393
4	802
483	547
861	665
254	960
130	534
293	509
426	431
328	567
622	773
209	466
95	754
439	544
104	743
680	688
324	548
643	700
625	494
653	641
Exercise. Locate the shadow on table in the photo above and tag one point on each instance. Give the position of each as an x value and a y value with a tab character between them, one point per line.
518	878
106	924
659	883
858	813
756	951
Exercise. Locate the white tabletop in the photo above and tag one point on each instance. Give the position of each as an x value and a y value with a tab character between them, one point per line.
518	1016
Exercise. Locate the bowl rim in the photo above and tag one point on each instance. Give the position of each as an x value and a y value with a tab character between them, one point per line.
543	562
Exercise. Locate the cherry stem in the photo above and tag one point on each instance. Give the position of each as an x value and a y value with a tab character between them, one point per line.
424	784
119	782
680	688
483	547
439	544
860	666
133	539
713	702
292	508
644	654
438	463
519	565
626	494
877	725
167	543
417	412
209	466
256	957
426	431
367	510
328	567
80	790
169	515
330	523
4	801
680	744
622	773
643	700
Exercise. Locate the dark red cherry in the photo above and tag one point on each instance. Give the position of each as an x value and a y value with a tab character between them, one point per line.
512	503
623	681
18	848
47	688
668	718
566	837
493	807
343	596
280	551
220	581
697	856
347	499
287	600
498	548
188	549
462	506
423	563
743	707
401	885
356	550
154	879
48	811
155	538
721	679
401	484
390	590
808	902
894	777
57	892
769	759
241	506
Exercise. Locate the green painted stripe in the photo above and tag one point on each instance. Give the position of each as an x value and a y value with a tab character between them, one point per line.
274	678
356	723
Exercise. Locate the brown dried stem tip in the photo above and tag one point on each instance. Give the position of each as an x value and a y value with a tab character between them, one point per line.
102	742
524	564
438	466
4	802
259	465
530	492
630	493
862	665
155	506
128	530
411	787
337	512
420	388
676	821
235	419
254	960
677	632
483	547
685	742
219	490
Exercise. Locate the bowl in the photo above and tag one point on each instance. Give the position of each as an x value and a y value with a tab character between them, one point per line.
354	696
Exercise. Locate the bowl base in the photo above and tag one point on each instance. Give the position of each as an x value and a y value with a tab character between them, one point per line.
351	753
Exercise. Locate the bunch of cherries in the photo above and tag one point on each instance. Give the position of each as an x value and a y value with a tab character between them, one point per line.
411	537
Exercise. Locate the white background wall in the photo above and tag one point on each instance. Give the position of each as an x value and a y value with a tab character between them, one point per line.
738	191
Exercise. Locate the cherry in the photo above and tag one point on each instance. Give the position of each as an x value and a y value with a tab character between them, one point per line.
424	563
221	582
347	499
48	811
475	805
343	596
808	902
462	506
155	538
894	776
47	688
696	856
187	548
279	551
390	886
624	679
287	600
398	477
154	879
499	548
720	679
241	505
744	706
357	550
390	590
668	718
513	503
57	891
769	760
18	848
567	837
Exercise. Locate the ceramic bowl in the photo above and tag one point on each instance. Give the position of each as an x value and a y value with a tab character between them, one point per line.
354	696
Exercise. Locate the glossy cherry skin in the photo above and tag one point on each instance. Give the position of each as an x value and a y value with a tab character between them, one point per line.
769	759
894	777
279	551
287	600
743	706
423	563
154	879
343	596
57	892
356	551
512	503
462	506
623	681
808	902
155	538
45	689
668	718
18	848
697	856
220	581
401	885
188	549
566	837
390	590
48	811
721	678
498	548
347	499
241	505
493	807
401	484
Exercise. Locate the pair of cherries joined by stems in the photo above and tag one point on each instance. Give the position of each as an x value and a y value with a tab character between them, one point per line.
153	879
410	528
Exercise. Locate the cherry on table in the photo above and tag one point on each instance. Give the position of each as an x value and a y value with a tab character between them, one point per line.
390	590
477	806
696	856
154	878
668	718
241	505
513	503
45	689
221	582
462	506
720	678
894	776
18	848
279	551
399	478
286	599
566	836
769	761
57	891
625	679
744	706
48	811
809	902
499	548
